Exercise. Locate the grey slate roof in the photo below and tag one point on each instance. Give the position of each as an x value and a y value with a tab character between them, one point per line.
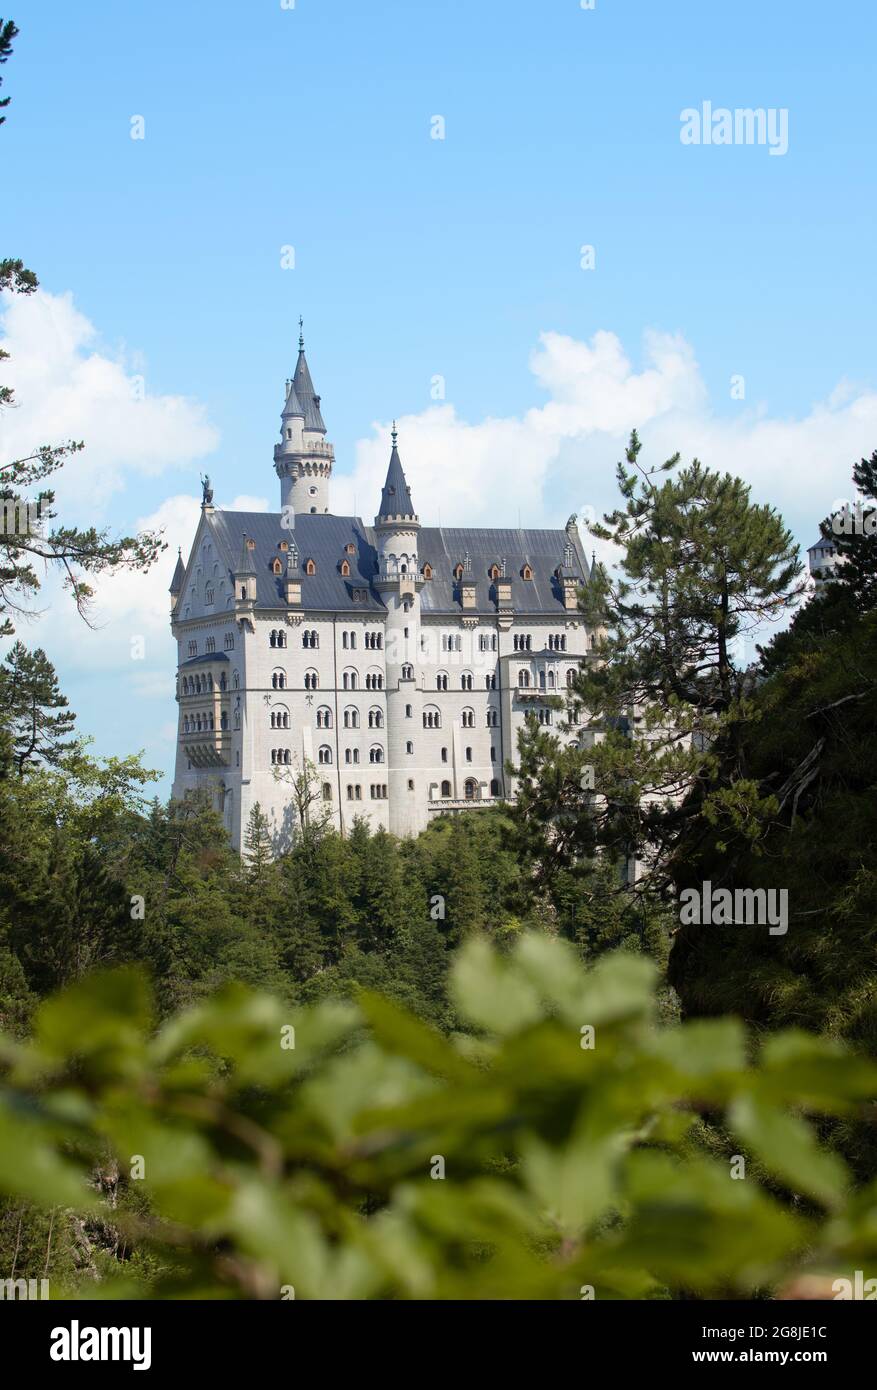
323	538
396	496
319	538
304	389
444	547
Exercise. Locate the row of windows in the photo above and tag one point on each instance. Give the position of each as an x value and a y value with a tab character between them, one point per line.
374	681
432	718
547	680
210	646
470	789
351	755
203	723
378	791
374	641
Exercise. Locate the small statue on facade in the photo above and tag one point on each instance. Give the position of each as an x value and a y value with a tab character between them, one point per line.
206	491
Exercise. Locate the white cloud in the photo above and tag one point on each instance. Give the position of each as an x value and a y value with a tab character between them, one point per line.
66	388
560	457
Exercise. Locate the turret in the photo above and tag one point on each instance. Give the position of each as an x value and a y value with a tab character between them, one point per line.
303	459
397	523
177	582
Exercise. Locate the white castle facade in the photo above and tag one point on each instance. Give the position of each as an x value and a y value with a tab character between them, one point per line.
385	670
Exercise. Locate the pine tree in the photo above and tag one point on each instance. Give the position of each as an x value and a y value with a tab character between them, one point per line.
702	565
258	847
34	710
854	535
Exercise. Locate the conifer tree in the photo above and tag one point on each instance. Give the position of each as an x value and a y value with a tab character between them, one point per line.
35	712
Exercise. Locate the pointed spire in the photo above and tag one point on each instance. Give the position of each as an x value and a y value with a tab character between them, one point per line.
304	388
179	575
293	404
396	496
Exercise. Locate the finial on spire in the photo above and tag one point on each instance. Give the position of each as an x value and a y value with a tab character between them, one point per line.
301	335
394	434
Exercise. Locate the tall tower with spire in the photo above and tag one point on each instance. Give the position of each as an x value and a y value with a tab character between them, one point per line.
303	459
399	583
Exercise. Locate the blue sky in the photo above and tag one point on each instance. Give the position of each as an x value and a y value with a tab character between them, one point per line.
416	257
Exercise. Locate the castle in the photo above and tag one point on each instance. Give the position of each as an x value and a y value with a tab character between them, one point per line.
333	668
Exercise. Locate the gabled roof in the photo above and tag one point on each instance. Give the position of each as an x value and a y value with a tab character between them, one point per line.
323	539
320	538
445	547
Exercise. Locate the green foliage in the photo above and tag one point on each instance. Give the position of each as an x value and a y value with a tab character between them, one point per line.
377	1158
35	711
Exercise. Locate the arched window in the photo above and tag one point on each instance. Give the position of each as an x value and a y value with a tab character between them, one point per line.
327	791
324	717
471	789
432	718
466	681
446	789
348	680
492	718
325	754
312	680
351	718
408	673
494	787
524	680
493	572
310	639
276	566
310	567
468	755
551	680
374	680
468	718
376	754
458	571
278	679
441	680
526	572
490	682
375	718
345	568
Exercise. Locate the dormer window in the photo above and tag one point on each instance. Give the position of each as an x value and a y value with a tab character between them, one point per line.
494	571
310	567
350	548
283	545
526	572
345	568
276	567
251	545
458	571
427	571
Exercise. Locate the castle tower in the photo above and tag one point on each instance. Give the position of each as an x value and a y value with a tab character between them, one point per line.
303	459
399	583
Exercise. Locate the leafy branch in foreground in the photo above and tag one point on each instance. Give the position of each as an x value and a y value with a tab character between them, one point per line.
565	1146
